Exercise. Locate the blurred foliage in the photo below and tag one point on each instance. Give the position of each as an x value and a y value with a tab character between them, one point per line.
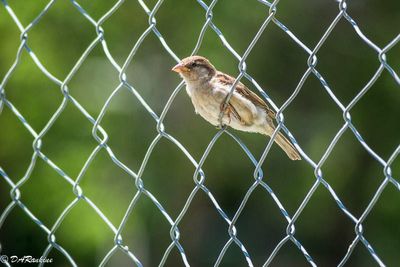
277	64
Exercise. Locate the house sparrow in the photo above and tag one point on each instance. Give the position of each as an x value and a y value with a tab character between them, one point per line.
245	111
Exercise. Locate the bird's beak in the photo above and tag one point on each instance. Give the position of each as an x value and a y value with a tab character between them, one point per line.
179	68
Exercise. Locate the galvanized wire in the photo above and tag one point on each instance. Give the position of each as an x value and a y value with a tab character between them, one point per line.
101	136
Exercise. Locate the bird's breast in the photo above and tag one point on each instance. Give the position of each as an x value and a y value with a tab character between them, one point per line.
206	102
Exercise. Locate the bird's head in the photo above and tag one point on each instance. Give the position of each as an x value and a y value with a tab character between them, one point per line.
195	69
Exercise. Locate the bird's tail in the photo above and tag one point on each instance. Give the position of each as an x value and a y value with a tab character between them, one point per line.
287	146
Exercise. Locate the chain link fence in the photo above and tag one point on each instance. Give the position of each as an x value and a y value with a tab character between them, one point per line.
199	176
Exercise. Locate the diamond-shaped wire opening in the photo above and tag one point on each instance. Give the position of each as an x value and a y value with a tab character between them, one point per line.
147	232
262	225
156	94
347	46
160	169
275	77
322	222
49	208
383	91
316	16
227	19
18	91
171	15
108	185
66	146
132	138
321	114
71	37
203	231
342	172
94	81
83	227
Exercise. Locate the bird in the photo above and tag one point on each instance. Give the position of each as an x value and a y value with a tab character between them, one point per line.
208	89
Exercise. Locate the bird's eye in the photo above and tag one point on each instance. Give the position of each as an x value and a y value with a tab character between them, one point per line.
194	64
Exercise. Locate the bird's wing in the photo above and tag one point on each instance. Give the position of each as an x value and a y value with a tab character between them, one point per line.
246	93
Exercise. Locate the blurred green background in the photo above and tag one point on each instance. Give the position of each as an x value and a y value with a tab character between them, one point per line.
276	62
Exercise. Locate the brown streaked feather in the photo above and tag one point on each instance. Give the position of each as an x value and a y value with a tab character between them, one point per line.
235	113
246	92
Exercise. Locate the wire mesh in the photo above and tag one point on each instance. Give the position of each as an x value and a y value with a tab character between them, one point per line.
101	136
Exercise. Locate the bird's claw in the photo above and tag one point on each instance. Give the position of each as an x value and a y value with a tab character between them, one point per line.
225	108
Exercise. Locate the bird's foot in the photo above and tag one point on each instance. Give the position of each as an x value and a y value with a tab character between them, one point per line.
226	109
